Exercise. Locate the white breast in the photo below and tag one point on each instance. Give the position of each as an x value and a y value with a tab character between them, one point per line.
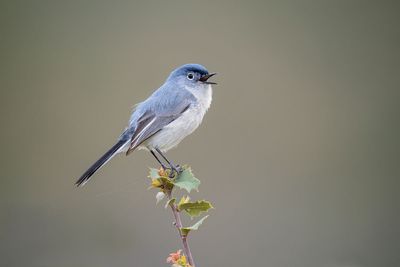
203	96
172	134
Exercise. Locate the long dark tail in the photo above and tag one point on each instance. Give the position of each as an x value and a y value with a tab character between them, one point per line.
99	163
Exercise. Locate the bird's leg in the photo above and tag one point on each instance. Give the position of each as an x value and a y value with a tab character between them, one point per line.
159	161
173	167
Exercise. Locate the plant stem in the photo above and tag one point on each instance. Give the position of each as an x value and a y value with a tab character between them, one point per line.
178	224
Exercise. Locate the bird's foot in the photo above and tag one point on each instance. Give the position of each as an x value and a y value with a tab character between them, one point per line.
175	170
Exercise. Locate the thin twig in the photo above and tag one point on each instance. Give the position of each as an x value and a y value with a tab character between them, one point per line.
178	225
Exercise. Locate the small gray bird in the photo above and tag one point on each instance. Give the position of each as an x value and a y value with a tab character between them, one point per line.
170	114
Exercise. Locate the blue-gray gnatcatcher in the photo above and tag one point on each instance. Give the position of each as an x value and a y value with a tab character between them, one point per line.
170	114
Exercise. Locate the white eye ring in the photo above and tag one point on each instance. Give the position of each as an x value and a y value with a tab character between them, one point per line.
190	76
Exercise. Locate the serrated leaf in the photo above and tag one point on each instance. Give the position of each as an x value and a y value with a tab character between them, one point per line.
162	183
156	183
153	174
159	196
184	199
185	230
194	209
187	181
170	202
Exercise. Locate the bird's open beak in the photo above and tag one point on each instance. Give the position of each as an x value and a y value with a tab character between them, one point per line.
204	78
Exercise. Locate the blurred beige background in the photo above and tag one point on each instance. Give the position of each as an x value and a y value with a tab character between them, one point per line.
299	152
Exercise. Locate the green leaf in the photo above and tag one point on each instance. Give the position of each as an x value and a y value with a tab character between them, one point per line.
184	199
194	209
187	181
153	174
185	230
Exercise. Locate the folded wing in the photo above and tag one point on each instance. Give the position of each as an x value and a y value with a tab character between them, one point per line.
152	122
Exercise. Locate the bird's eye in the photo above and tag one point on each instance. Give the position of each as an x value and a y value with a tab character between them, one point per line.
190	76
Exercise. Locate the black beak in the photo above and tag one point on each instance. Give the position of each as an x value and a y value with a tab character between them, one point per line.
204	78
